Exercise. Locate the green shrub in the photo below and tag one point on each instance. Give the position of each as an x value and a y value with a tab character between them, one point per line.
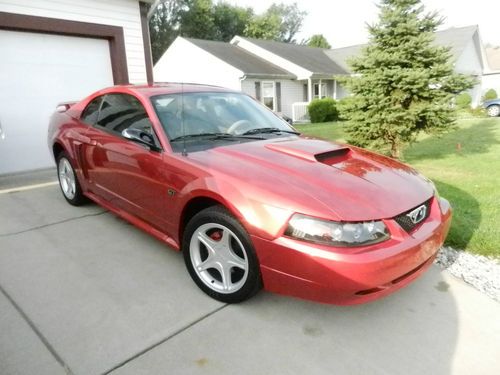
463	100
490	95
323	110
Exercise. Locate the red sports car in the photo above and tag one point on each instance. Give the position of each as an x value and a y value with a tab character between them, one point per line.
248	201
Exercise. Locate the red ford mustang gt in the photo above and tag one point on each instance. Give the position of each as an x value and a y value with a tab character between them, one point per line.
248	201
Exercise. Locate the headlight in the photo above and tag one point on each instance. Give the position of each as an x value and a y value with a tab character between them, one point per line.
334	233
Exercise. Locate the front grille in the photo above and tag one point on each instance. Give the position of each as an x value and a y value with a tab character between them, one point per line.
406	222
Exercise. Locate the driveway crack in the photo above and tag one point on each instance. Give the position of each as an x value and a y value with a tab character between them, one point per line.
164	340
37	332
50	224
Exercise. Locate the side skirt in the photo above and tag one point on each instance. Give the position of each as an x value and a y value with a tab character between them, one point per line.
134	221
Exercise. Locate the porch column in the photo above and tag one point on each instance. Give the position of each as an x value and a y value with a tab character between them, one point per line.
335	89
309	89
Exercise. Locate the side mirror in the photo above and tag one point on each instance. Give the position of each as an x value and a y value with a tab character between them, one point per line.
141	137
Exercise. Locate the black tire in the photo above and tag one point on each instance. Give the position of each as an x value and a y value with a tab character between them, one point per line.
211	280
493	110
76	199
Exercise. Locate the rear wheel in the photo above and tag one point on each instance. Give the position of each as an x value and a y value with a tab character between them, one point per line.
68	182
493	110
220	257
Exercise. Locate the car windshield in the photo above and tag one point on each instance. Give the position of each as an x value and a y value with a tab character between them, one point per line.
210	118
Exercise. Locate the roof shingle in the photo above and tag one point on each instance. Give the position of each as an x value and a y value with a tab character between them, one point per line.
235	56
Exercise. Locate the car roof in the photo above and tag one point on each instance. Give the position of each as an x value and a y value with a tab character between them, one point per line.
167	88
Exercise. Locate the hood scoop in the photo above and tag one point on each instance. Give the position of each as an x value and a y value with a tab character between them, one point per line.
334	157
321	151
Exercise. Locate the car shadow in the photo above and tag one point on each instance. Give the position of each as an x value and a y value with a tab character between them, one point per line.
466	214
475	139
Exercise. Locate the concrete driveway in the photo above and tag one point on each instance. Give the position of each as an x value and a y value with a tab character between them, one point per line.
83	292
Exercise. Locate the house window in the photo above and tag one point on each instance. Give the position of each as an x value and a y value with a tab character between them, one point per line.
319	90
269	94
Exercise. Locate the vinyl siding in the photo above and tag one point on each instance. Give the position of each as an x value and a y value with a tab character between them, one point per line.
124	13
291	92
185	62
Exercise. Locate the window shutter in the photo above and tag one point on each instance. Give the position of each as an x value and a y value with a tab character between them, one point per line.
306	96
278	96
257	91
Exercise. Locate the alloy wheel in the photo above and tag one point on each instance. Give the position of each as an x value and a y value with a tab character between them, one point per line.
219	258
67	178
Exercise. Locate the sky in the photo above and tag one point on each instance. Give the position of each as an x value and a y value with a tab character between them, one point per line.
343	23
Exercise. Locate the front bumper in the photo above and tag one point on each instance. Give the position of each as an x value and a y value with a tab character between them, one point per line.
353	275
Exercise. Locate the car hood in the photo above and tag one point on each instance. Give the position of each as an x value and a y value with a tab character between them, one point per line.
348	182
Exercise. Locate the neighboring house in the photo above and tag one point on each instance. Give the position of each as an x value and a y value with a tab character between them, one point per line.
227	65
311	71
55	51
466	48
244	64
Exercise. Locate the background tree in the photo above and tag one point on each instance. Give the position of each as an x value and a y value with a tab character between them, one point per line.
197	20
230	20
203	19
279	22
403	83
263	27
164	25
319	41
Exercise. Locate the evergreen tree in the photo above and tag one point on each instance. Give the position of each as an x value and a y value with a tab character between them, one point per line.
403	83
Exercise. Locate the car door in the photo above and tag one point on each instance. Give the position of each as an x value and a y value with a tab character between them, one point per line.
127	174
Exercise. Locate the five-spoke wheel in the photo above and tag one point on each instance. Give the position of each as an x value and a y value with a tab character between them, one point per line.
68	181
220	257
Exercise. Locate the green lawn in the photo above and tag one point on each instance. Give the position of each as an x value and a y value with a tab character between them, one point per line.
465	165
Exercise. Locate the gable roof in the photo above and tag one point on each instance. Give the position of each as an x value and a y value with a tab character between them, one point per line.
457	38
249	64
310	58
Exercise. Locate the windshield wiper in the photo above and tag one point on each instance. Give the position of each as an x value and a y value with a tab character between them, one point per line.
211	136
269	130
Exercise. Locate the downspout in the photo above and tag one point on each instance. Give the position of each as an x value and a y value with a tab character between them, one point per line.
241	81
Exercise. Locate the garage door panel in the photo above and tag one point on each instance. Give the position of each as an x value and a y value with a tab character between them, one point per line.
38	71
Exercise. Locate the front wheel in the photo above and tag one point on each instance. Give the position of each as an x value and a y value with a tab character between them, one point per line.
220	257
68	181
493	110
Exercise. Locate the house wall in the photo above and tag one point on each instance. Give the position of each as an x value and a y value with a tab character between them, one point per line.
185	62
292	91
469	63
123	13
491	81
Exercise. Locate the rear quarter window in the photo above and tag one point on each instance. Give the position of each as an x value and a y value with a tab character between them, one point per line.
91	113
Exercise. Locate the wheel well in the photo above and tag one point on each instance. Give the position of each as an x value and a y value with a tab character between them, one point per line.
56	150
192	208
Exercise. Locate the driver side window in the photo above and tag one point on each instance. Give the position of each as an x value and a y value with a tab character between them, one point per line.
121	111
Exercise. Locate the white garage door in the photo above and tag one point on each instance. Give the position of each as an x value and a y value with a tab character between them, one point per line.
38	71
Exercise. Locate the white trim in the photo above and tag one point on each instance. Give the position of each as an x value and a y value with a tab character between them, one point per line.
262	83
319	84
271	57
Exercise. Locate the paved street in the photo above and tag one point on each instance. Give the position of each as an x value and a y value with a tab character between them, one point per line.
83	292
